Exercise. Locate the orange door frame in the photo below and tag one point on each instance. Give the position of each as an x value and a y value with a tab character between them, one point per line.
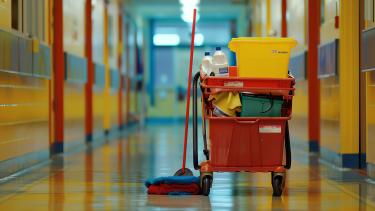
90	72
127	78
58	77
312	75
119	65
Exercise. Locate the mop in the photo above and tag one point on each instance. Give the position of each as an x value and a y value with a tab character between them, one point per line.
183	182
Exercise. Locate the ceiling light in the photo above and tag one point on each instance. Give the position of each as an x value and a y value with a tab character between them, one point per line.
199	39
187	8
166	39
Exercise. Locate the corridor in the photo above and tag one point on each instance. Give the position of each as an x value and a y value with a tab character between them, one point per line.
110	176
96	97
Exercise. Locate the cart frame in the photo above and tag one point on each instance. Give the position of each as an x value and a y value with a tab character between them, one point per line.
283	87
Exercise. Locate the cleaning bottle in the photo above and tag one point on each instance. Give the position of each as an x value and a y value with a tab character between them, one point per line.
207	63
220	63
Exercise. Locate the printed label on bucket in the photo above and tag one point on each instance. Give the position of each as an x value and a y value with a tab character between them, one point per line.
269	128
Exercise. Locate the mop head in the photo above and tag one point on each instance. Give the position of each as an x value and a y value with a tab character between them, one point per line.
173	185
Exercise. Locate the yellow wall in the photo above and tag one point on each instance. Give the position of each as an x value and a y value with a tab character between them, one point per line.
296	28
133	102
330	113
24	122
370	116
349	77
5	14
74	94
339	94
114	109
74	114
370	93
299	121
24	115
98	97
329	89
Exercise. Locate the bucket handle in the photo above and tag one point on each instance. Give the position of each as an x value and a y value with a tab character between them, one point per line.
270	107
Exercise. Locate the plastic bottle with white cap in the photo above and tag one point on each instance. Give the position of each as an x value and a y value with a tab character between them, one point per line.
207	63
220	63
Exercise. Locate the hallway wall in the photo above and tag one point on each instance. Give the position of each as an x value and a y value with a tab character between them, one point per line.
367	68
296	28
26	85
339	136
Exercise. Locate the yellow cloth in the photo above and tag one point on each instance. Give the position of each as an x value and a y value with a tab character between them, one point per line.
227	102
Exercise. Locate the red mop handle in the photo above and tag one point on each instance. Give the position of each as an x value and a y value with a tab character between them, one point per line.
188	91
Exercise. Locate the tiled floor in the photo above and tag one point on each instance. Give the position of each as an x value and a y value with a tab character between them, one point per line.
111	176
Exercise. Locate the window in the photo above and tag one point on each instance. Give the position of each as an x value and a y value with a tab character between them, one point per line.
15	15
29	17
369	13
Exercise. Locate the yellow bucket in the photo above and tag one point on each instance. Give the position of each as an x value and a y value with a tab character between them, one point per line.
262	57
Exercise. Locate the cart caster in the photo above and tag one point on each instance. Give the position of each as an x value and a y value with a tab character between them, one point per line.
278	183
206	184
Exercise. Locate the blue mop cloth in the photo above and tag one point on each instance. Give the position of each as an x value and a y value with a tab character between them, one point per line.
173	185
182	180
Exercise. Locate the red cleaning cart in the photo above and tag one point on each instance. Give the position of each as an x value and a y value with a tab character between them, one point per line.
250	144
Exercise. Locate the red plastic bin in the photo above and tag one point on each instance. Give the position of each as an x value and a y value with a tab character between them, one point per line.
246	142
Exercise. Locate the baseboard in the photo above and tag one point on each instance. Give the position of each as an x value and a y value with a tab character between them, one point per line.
371	170
300	144
314	146
346	160
74	146
13	165
16	165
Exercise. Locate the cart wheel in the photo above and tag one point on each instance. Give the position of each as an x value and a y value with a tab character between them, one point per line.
188	172
277	180
206	185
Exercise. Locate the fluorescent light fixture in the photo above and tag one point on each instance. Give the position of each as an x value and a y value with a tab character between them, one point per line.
166	39
188	16
187	10
199	39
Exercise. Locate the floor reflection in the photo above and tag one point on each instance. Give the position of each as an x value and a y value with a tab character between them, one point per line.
110	176
56	184
89	178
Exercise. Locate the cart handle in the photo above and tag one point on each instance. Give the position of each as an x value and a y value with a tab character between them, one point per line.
247	122
195	121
